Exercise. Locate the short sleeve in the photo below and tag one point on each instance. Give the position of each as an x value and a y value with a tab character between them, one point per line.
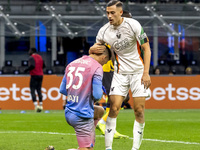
99	37
140	34
63	89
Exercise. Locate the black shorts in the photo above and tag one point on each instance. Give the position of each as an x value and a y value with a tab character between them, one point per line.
107	79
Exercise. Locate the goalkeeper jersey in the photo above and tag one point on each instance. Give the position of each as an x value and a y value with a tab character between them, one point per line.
82	83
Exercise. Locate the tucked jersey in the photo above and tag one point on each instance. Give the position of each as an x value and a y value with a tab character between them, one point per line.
125	40
79	76
38	70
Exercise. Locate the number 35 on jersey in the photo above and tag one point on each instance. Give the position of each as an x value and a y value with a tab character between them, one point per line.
78	74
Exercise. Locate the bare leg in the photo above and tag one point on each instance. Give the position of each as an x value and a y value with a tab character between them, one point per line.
115	105
98	113
138	129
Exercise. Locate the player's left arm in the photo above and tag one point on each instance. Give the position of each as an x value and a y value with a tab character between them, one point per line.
146	80
144	44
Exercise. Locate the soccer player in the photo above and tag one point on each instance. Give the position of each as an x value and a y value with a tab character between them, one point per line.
108	70
82	84
36	66
131	68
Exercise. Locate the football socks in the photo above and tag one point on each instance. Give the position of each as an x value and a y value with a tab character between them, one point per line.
110	131
138	130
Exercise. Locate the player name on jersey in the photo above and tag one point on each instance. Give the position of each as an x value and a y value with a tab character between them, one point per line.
72	98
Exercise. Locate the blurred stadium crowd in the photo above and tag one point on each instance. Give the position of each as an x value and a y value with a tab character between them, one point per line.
134	1
187	60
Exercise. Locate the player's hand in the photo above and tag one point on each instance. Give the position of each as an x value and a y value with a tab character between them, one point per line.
97	48
146	80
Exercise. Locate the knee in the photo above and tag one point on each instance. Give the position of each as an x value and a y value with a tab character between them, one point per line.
114	110
100	112
139	111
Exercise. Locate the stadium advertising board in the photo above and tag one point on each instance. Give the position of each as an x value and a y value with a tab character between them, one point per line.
167	92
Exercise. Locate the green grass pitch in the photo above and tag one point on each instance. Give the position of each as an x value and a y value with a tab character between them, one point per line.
164	130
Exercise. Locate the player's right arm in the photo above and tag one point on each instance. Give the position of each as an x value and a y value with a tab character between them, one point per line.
63	89
97	85
31	64
97	48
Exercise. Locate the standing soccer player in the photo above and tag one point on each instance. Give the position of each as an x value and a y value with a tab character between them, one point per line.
82	84
108	71
36	66
131	68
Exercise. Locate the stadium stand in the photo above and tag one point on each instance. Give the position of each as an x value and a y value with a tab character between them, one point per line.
9	69
195	69
179	69
58	69
164	69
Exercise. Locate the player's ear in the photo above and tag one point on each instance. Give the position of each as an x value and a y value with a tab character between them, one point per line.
104	57
121	12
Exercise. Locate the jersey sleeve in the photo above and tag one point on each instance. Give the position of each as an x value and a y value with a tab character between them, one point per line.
97	84
63	89
140	34
99	37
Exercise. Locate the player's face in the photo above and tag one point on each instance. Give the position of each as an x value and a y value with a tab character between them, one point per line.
104	59
114	15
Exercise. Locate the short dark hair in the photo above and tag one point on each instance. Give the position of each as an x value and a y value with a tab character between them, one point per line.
33	50
109	51
114	2
126	14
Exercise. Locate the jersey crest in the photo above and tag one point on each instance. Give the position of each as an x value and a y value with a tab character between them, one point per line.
118	35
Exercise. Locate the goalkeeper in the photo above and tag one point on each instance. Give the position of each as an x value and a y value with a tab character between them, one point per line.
82	84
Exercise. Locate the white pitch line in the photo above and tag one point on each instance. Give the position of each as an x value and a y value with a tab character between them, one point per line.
172	141
57	133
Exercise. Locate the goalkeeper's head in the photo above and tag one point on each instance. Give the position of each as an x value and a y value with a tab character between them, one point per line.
103	57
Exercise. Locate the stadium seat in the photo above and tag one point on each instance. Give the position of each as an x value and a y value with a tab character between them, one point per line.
8	63
162	62
193	63
8	69
56	63
48	71
151	69
24	63
58	69
179	69
21	69
195	69
164	69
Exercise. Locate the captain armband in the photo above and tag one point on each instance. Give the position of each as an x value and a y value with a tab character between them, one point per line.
143	38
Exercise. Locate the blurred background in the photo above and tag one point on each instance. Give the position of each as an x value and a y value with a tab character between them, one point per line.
63	30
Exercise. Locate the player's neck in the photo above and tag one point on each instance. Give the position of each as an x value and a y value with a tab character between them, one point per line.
119	23
95	57
92	55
